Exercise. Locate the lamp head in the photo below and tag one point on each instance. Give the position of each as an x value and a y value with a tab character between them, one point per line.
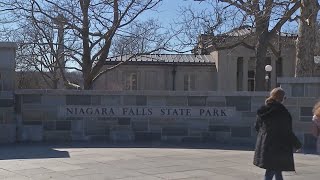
268	68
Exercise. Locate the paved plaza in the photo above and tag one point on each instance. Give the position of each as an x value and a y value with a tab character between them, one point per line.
86	161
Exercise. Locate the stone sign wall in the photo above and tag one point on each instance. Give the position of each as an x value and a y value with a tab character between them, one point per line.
149	116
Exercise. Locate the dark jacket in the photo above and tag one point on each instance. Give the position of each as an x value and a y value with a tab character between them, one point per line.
275	140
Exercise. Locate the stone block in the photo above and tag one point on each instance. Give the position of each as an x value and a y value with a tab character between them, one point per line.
291	101
57	136
172	139
307	101
155	128
297	90
174	131
7	133
99	138
49	125
32	133
249	115
78	100
141	100
222	137
306	111
196	132
140	126
208	137
156	101
258	100
95	100
32	122
287	88
124	121
168	121
6	103
32	115
242	103
54	100
191	139
216	101
294	111
219	128
312	90
51	114
63	125
32	99
110	100
96	127
176	101
197	100
243	141
147	136
121	135
198	123
129	101
241	132
306	119
8	117
310	142
301	126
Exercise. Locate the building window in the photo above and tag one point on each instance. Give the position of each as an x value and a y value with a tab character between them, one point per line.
239	73
189	82
251	81
279	67
131	81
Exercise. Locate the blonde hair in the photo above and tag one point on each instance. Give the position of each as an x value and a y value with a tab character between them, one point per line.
316	109
277	94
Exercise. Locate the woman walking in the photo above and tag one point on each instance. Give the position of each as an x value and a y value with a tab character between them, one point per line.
316	125
275	139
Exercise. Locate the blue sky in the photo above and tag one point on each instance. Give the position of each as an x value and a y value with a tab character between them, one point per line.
167	11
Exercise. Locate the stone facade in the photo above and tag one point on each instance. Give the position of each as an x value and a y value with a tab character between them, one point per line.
40	119
7	79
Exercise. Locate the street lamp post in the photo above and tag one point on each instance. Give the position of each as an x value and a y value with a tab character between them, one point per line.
268	69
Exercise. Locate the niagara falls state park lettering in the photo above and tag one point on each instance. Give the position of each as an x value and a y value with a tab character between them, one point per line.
144	111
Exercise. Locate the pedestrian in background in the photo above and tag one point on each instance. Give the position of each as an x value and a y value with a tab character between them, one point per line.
316	124
275	140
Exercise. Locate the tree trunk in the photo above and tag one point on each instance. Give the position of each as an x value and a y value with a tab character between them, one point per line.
261	51
262	33
87	80
306	41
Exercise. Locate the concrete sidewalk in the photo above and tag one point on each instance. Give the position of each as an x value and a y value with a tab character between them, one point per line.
130	161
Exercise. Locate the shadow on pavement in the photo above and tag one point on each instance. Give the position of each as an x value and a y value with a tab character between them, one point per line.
30	151
51	150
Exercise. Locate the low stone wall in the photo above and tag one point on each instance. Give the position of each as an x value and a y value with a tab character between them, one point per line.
44	116
7	118
303	93
301	87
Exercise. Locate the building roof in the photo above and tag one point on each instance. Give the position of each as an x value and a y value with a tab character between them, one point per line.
246	30
181	59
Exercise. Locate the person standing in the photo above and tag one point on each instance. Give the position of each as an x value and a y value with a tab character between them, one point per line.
316	124
275	139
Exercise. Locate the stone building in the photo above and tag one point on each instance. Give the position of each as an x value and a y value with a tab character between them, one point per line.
220	63
184	72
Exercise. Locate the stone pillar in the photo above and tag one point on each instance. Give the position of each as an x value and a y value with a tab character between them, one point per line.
273	73
245	73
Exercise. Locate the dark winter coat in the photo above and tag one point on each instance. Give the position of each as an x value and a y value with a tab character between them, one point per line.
275	140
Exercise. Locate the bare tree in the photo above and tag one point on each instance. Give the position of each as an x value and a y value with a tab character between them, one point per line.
306	42
266	17
142	37
90	26
40	50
